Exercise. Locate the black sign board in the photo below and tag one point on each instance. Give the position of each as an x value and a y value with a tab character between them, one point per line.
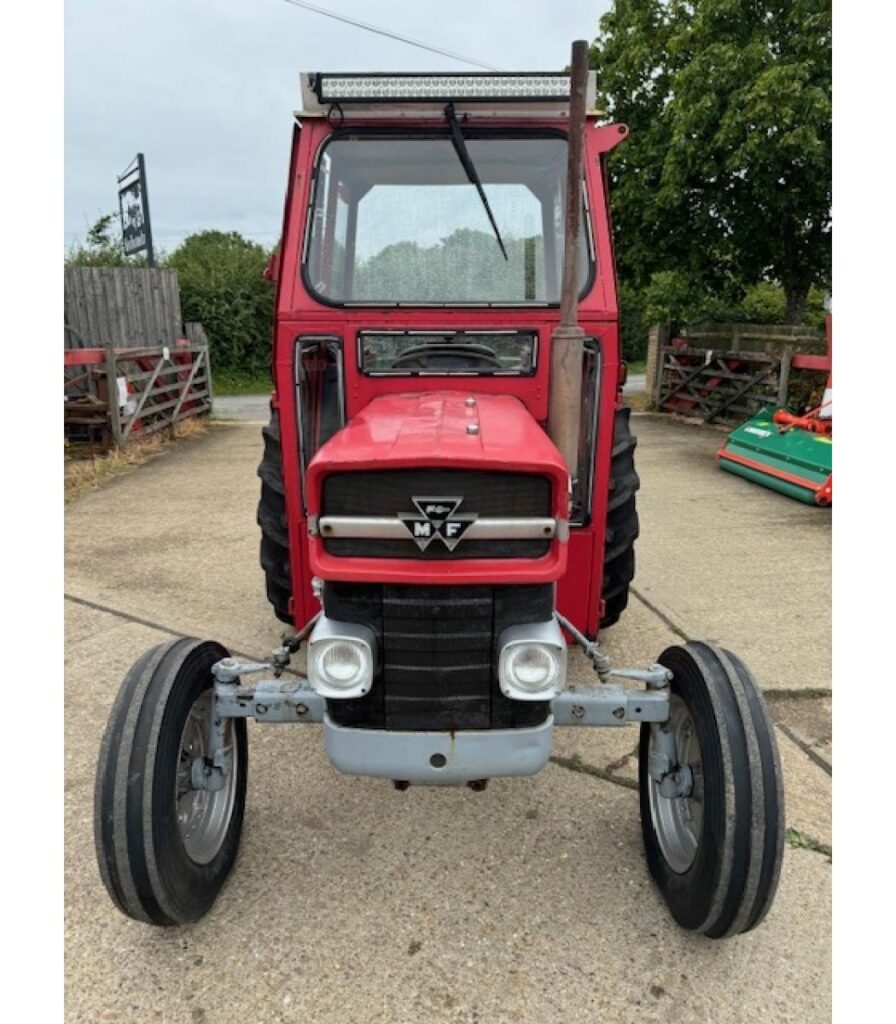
133	202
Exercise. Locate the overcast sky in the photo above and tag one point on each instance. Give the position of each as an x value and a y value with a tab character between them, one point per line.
206	89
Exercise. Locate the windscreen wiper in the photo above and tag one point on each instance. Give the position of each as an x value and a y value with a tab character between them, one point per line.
463	155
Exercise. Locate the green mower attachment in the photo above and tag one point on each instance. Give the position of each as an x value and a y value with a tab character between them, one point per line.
788	459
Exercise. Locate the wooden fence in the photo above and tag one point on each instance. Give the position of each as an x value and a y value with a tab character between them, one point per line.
137	307
726	372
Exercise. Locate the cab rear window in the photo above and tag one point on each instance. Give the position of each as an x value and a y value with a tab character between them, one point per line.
410	353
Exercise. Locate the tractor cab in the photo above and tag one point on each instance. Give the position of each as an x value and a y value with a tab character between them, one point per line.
422	263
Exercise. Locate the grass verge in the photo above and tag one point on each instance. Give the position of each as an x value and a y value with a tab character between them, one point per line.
235	382
639	401
85	470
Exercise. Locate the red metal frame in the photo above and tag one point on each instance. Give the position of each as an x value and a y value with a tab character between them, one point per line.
823	364
576	566
97	356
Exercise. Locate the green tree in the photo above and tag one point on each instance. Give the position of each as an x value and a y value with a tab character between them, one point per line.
725	179
222	286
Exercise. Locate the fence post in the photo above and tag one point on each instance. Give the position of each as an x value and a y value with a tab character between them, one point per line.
208	377
784	375
657	337
112	395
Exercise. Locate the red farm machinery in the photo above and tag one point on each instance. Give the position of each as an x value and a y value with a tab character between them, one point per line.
447	501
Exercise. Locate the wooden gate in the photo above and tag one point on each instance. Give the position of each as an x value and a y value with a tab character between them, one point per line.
726	372
716	385
126	393
163	386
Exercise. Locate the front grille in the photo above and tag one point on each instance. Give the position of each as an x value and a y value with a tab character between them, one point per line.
437	654
391	492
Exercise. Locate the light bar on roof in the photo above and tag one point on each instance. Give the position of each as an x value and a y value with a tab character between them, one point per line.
335	88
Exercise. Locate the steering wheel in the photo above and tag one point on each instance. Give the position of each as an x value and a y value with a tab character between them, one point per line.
447	357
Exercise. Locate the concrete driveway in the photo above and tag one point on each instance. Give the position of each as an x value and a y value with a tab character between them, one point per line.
352	902
246	408
636	384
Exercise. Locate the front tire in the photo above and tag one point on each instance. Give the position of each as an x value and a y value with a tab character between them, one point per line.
165	847
714	848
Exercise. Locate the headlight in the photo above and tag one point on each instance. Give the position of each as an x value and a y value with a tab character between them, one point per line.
340	659
532	665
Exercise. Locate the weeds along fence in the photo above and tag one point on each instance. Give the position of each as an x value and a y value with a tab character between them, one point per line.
131	366
727	372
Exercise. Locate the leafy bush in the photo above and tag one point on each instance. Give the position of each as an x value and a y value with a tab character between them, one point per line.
634	323
766	303
672	297
805	391
222	285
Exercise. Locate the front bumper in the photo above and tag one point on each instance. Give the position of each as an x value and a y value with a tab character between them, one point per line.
438	758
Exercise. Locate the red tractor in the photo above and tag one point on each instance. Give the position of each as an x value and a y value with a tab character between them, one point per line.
447	501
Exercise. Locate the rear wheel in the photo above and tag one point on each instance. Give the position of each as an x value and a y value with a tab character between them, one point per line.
272	520
166	839
622	521
712	804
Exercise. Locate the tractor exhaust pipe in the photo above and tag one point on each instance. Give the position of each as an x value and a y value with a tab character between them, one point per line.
565	396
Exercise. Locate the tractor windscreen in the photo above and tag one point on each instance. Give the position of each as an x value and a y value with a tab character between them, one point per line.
395	219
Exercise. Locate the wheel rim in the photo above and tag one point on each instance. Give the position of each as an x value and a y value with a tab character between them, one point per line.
678	821
203	815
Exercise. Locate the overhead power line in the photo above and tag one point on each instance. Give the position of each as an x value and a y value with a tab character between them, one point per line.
389	34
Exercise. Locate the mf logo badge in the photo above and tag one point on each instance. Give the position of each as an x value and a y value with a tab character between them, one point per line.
437	518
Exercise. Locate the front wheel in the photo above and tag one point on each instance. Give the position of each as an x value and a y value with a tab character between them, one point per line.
712	803
168	809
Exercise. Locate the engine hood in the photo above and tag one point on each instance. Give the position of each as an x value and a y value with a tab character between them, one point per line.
443	429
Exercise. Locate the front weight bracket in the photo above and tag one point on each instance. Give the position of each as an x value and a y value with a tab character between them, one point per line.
609	704
268	700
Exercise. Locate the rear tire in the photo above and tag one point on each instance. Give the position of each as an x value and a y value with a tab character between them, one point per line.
715	853
165	847
622	521
274	554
